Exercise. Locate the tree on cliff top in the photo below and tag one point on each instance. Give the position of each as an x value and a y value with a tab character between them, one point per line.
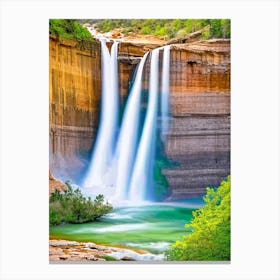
210	229
69	29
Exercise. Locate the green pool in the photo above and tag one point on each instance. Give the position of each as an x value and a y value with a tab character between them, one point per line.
150	227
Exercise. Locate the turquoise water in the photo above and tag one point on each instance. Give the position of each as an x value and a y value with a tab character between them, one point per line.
150	227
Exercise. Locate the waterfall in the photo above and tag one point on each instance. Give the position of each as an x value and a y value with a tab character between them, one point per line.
165	92
108	123
127	162
142	175
127	141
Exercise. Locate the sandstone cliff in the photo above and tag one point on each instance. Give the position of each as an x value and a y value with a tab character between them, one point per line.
74	80
199	139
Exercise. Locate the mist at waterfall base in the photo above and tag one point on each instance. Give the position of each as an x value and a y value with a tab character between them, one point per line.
128	154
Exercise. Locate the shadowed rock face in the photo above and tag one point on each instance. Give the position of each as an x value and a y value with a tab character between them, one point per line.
201	146
199	138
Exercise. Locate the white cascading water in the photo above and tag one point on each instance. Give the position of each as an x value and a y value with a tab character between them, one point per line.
108	122
165	92
142	175
128	136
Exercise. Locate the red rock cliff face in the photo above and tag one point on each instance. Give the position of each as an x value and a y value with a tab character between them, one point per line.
74	80
199	138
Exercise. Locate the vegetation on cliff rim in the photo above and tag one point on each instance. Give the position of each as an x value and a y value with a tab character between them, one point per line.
69	29
71	206
210	229
171	28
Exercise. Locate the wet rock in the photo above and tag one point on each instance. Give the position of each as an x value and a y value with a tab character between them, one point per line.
64	243
126	258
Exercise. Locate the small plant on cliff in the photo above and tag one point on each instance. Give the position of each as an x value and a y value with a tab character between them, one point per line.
210	229
71	206
69	29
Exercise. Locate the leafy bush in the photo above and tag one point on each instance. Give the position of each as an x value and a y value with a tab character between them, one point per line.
210	229
161	31
69	29
71	206
146	30
206	34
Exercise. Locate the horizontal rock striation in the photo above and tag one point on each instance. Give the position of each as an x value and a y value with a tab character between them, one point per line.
201	147
199	136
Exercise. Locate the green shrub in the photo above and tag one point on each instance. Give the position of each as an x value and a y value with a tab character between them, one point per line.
215	28
69	29
71	206
225	25
206	34
160	31
146	30
209	237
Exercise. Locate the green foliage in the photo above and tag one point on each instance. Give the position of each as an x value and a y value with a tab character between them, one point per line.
69	29
161	30
71	206
210	229
108	258
161	182
219	28
192	25
106	25
162	161
225	25
215	28
206	34
146	30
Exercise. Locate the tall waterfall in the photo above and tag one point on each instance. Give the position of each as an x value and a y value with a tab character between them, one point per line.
142	176
127	163
109	117
165	92
127	141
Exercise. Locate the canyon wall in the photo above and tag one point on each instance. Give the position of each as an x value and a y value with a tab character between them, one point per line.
199	138
74	94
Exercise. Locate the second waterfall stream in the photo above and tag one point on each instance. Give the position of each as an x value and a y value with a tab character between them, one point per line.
123	155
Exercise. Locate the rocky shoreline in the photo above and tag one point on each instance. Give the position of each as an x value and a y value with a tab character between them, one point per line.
65	250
